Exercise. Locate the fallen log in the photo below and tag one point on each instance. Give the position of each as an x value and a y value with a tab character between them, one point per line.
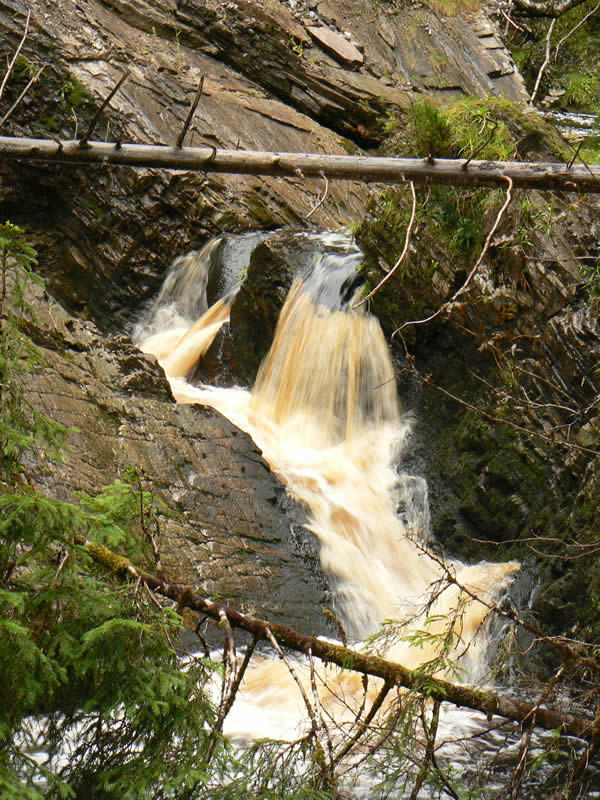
549	176
485	701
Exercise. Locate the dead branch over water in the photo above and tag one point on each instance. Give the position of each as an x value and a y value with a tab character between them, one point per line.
487	702
457	172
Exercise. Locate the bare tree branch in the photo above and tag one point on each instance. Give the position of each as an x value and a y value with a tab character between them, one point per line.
32	80
511	21
513	788
376	705
16	55
545	63
550	176
83	142
191	113
487	702
500	420
229	697
574	28
430	734
321	200
547	8
402	254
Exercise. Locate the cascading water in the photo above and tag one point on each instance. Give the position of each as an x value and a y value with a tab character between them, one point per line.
325	413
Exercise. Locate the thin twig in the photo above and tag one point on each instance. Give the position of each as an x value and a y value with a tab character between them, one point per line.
229	654
470	276
16	55
584	759
84	139
316	724
340	628
61	566
429	748
319	712
545	64
203	642
402	254
153	597
145	529
570	144
513	425
240	675
513	788
323	196
191	113
311	712
511	21
575	154
443	778
22	95
377	703
230	698
573	29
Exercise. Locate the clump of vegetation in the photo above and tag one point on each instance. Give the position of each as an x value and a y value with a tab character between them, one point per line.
449	8
591	270
450	222
474	127
582	91
75	93
574	57
88	667
24	68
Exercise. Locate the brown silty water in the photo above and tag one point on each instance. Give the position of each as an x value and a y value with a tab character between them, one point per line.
324	411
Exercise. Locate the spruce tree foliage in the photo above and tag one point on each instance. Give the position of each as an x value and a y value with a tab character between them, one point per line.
97	700
93	698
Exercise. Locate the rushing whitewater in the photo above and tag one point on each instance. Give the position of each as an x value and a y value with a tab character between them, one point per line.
325	413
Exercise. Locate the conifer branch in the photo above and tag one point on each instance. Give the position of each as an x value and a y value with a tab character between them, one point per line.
485	701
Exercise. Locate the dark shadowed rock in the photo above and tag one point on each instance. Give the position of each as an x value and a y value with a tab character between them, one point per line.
279	258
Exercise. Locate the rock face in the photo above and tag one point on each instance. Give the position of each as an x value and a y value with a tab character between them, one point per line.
306	77
230	529
337	46
106	236
504	382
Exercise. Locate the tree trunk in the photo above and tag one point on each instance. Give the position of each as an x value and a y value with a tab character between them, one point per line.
484	701
525	175
547	8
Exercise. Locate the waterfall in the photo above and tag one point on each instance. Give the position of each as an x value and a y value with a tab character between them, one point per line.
325	413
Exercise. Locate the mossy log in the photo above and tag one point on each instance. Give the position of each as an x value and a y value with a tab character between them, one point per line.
487	702
458	172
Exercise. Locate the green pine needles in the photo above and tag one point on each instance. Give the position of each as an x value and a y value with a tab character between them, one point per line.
93	699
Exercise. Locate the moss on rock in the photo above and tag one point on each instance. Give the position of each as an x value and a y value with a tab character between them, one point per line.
508	353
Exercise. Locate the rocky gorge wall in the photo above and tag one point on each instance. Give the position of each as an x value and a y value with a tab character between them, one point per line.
315	77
